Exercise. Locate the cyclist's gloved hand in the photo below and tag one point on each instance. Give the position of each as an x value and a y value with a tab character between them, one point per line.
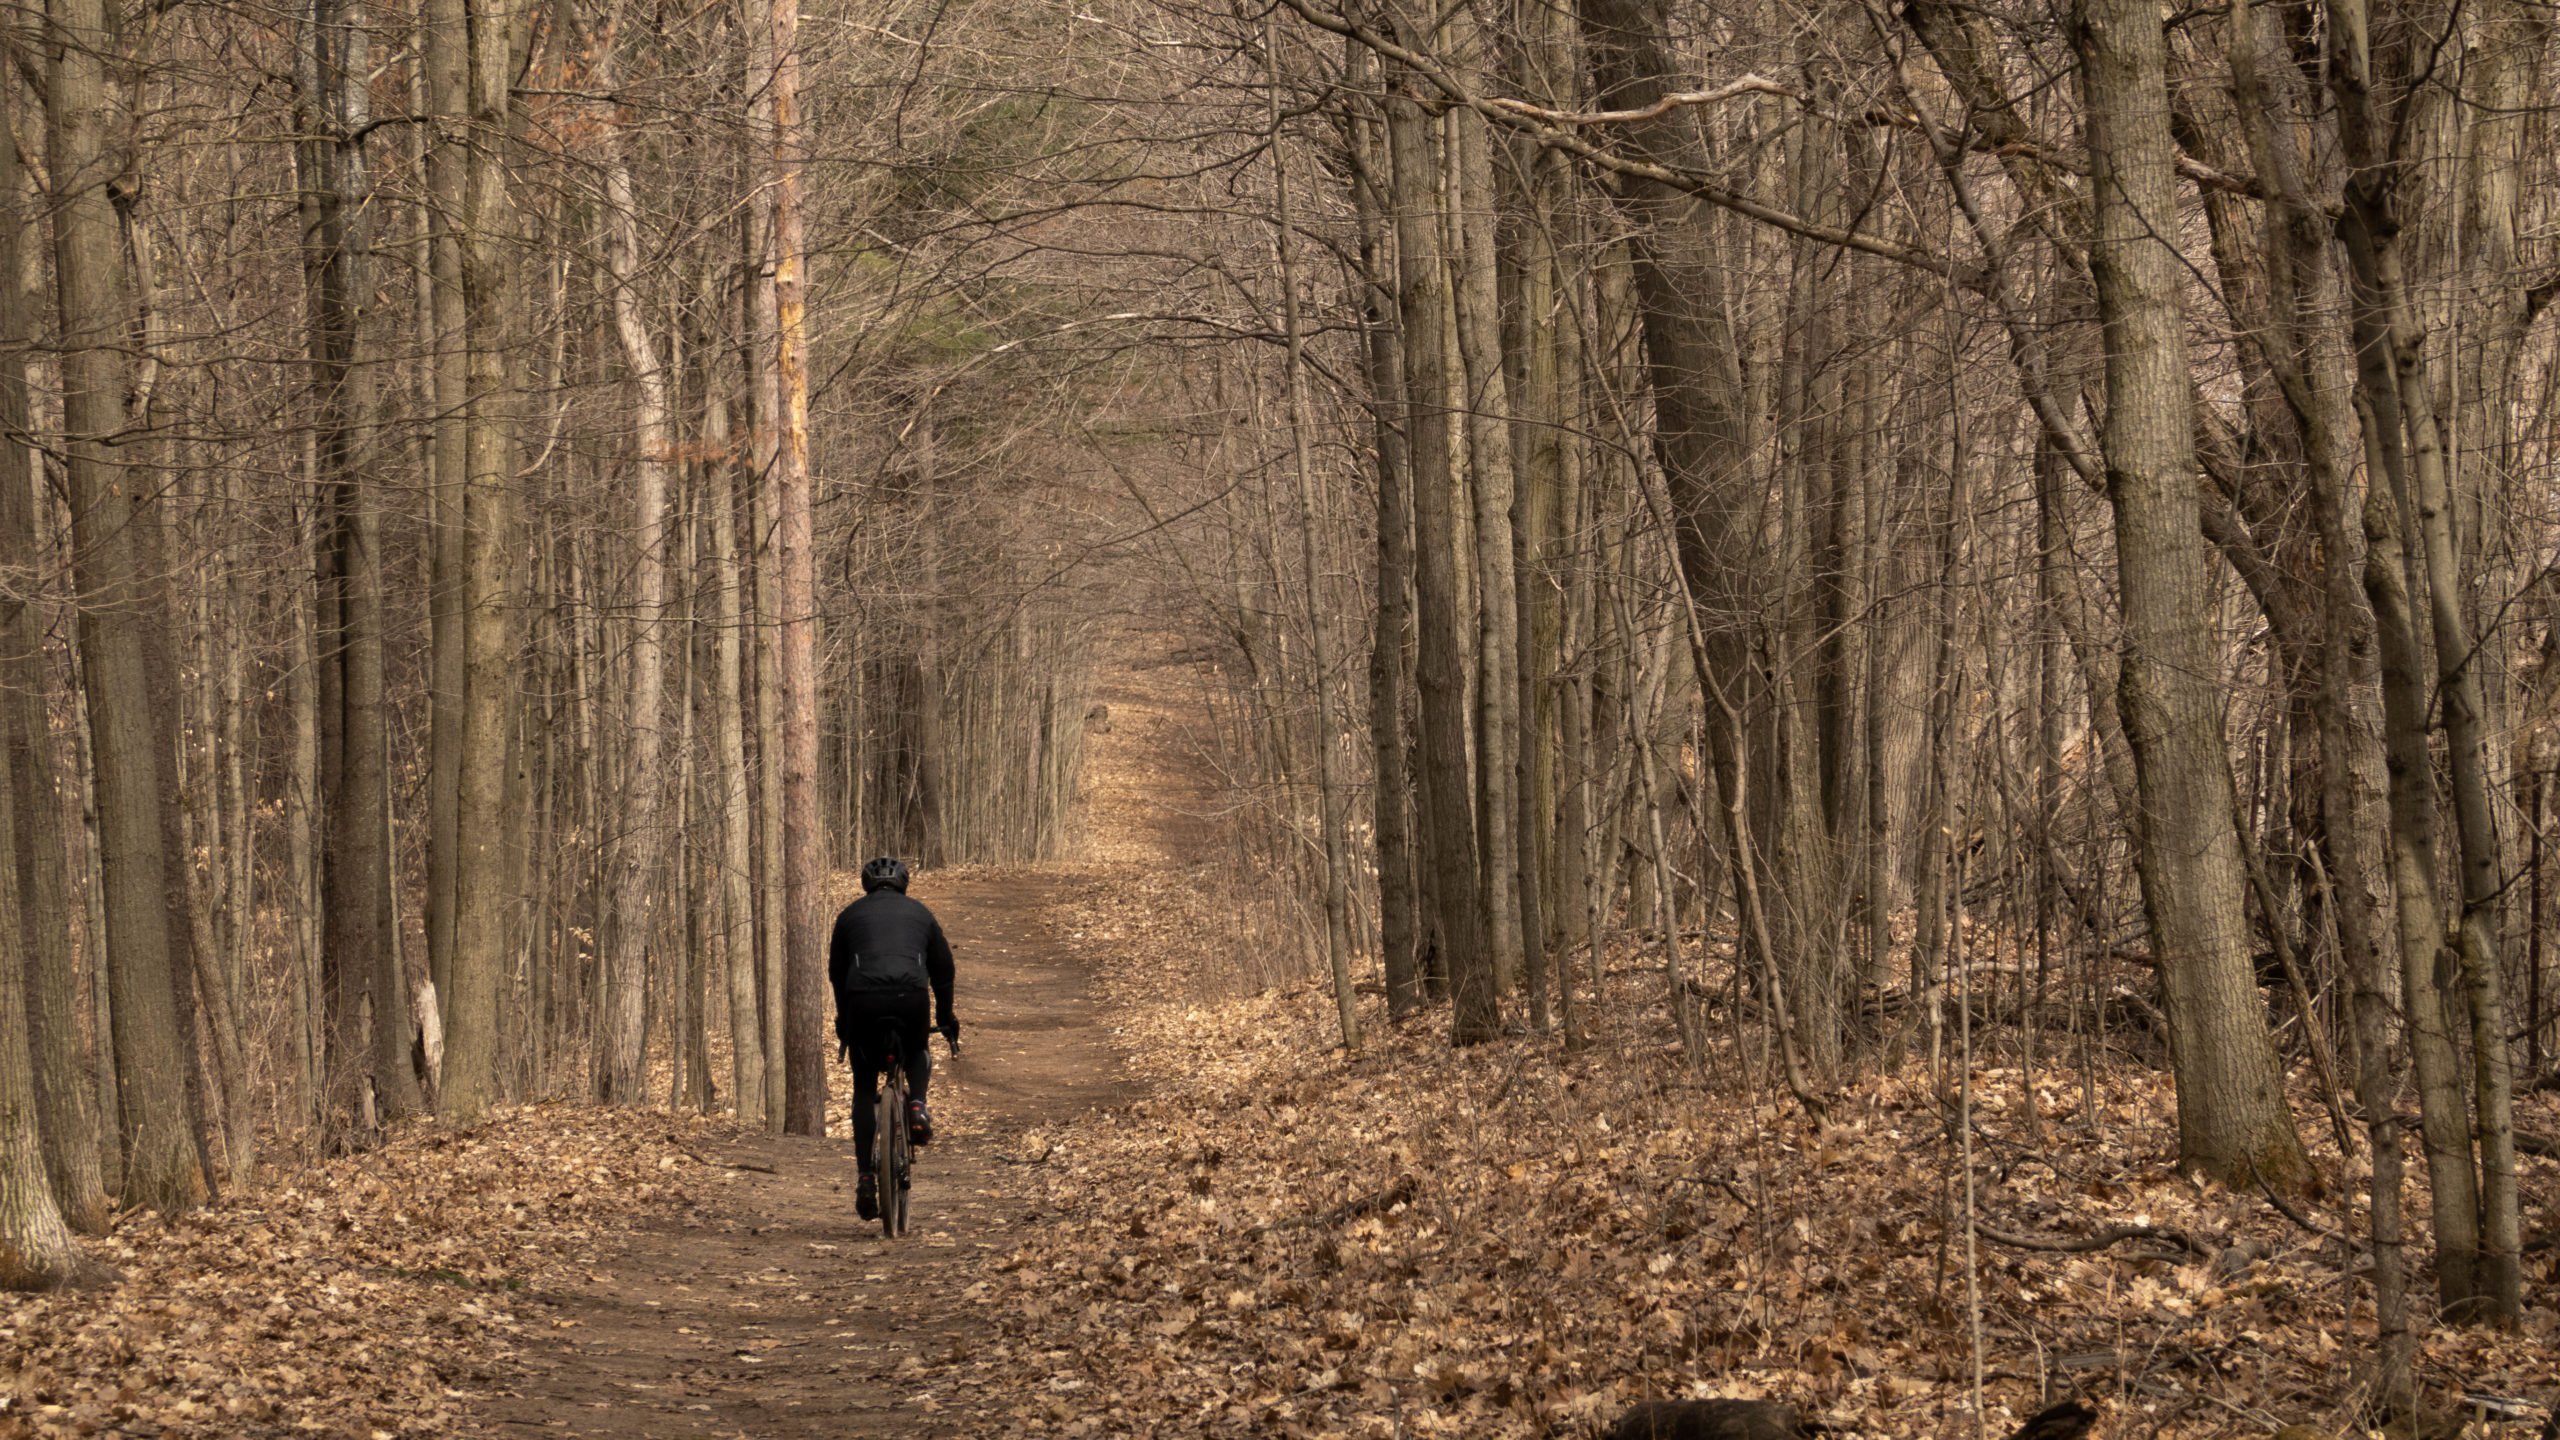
949	1025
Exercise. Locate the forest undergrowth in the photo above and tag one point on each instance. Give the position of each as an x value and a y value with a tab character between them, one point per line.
1512	1241
1501	1241
366	1296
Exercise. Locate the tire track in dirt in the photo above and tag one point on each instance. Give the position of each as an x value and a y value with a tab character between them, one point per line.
767	1308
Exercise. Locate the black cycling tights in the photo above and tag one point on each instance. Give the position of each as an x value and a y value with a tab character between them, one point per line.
869	1033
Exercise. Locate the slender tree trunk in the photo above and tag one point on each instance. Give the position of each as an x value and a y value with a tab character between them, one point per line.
1473	221
807	999
762	324
737	897
301	826
697	883
638	857
444	55
1540	454
357	903
2301	287
2400	395
1337	858
1398	904
1448	822
768	817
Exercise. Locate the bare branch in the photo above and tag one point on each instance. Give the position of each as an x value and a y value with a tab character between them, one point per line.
1961	273
1747	85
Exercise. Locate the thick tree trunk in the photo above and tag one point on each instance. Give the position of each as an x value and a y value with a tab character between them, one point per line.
66	1103
36	1252
2232	1120
107	489
482	871
1701	435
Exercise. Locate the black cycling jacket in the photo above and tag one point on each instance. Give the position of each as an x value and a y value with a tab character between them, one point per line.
888	922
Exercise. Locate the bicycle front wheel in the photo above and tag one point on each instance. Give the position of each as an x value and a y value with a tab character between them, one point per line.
902	1145
889	1151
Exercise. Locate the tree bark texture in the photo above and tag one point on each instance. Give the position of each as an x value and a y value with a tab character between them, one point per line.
480	959
444	56
107	488
1399	905
1448	822
623	1067
36	1252
733	815
2232	1119
66	1101
808	1001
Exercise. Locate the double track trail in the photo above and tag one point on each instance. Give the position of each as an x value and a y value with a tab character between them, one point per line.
767	1307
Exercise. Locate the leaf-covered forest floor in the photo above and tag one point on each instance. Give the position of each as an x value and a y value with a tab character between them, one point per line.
1157	1212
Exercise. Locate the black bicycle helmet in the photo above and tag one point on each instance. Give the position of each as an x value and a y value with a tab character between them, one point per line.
888	870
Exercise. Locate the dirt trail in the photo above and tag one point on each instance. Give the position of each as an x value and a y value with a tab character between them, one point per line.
768	1309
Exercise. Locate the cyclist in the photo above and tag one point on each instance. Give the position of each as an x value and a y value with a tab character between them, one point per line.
886	953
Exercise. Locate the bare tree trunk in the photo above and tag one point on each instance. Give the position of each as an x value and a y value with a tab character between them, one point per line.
1448	822
1691	350
1337	859
637	858
82	110
360	942
444	56
481	902
36	1252
1539	401
696	883
1398	904
1473	220
762	324
737	898
66	1103
99	978
795	594
2400	395
301	822
2232	1120
2301	286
